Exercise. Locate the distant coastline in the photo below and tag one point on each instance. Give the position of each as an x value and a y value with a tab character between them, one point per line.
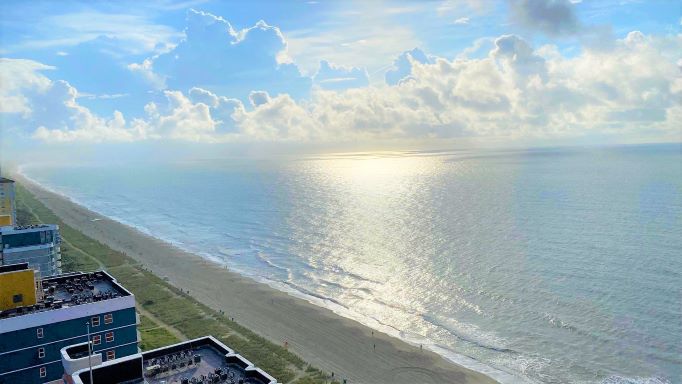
151	251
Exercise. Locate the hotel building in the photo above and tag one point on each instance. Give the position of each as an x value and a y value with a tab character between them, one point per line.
39	317
199	361
8	211
37	245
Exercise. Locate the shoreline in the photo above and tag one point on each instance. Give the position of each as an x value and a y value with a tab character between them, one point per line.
316	332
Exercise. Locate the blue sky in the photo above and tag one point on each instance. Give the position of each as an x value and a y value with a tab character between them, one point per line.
331	73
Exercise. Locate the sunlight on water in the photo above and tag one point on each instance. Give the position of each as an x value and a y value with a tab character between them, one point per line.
545	264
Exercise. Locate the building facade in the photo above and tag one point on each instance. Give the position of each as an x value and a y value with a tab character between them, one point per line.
8	211
37	245
34	330
202	360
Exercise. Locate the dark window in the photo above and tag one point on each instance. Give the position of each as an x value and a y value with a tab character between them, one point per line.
18	298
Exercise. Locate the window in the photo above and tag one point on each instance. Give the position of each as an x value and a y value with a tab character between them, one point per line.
95	321
41	353
18	298
108	318
97	339
109	337
43	371
111	355
39	333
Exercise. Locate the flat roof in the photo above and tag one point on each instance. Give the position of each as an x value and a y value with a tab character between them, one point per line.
70	290
206	360
199	361
10	229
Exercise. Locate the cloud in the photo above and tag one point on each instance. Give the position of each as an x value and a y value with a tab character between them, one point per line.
58	117
461	21
367	37
216	57
140	34
514	92
330	76
19	76
402	65
553	17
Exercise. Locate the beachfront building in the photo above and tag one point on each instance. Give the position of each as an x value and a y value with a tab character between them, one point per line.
39	317
202	360
8	211
37	245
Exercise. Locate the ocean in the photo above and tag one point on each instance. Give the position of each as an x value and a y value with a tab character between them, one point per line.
547	265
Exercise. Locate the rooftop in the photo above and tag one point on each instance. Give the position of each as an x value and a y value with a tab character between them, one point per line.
11	228
70	290
4	180
199	361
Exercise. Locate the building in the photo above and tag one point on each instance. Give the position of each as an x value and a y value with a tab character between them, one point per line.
39	317
37	245
199	361
8	211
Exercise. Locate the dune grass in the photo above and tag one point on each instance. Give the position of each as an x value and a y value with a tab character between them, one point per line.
172	309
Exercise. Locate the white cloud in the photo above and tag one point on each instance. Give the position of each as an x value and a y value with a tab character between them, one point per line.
367	37
515	92
68	29
461	21
18	77
402	65
330	76
214	56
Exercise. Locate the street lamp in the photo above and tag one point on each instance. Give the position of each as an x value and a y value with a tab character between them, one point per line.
87	325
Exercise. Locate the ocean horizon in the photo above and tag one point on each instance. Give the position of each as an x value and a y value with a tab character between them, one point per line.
548	265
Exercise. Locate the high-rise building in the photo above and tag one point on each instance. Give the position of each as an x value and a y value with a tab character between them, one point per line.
37	245
202	360
39	317
8	211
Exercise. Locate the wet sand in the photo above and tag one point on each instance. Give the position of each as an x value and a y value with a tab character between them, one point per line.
321	337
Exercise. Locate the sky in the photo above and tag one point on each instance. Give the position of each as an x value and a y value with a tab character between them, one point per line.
130	78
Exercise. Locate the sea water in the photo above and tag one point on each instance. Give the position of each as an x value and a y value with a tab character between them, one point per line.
554	265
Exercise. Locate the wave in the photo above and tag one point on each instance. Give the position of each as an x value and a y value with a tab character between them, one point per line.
634	380
470	333
305	294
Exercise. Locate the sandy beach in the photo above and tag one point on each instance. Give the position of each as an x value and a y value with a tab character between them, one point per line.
321	337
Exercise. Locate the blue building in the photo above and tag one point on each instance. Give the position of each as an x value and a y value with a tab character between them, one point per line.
202	360
37	245
33	329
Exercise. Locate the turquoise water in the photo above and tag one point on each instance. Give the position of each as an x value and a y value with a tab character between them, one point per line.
550	265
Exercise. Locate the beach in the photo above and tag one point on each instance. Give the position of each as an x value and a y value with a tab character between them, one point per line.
321	337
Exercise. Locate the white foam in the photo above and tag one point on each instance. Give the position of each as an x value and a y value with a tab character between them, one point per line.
328	303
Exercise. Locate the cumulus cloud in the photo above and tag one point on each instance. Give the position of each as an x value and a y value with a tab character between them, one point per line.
513	92
553	17
58	117
215	56
402	65
50	109
18	76
330	76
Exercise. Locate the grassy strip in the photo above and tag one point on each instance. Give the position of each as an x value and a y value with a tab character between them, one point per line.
165	302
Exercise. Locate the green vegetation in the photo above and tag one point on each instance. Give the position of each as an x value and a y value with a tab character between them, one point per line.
172	313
